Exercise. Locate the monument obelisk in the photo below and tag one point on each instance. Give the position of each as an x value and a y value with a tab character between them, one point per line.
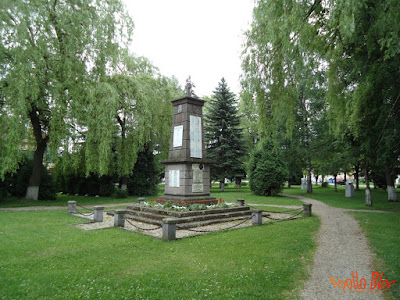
187	170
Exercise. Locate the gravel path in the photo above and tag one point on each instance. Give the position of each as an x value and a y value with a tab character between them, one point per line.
342	249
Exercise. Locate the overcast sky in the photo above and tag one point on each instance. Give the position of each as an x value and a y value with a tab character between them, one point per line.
200	38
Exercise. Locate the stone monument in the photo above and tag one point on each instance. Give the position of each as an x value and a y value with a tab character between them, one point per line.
187	171
349	192
304	183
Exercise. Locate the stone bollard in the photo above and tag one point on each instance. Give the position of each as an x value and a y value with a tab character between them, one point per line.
169	229
72	207
349	190
256	219
98	213
240	202
307	210
119	218
141	201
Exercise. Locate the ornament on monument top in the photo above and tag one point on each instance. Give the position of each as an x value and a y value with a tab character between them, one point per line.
189	88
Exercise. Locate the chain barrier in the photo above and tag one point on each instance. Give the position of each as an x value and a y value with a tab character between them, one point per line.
206	231
293	217
284	211
84	214
146	229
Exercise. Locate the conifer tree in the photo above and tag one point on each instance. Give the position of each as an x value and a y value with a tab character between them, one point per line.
223	135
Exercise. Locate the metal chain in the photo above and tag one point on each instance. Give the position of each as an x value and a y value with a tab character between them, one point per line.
285	211
230	227
84	214
147	229
84	207
287	219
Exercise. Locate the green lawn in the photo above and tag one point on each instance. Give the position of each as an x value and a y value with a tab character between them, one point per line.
382	231
231	194
45	257
338	199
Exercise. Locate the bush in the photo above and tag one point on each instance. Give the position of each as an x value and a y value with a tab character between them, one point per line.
120	194
268	170
144	180
325	184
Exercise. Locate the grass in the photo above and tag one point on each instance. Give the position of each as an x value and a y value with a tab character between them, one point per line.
44	257
382	231
338	199
231	194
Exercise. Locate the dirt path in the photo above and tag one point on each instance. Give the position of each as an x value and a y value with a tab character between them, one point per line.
341	249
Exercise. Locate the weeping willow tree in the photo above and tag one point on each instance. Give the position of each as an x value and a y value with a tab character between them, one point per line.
129	111
282	79
50	52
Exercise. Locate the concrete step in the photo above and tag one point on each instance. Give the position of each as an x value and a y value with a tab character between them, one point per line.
188	224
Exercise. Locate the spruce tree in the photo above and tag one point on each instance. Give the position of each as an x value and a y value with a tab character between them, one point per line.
223	135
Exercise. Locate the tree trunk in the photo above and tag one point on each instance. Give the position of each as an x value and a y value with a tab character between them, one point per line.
345	177
32	192
289	183
357	175
309	184
316	179
392	195
335	176
222	185
368	199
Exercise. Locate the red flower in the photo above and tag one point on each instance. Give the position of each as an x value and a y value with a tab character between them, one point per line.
204	201
180	202
220	199
216	201
186	201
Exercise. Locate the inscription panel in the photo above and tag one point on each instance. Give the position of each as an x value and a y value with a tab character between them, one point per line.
174	178
197	185
178	136
195	137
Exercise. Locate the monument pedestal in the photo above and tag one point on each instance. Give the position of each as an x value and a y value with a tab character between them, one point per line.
187	171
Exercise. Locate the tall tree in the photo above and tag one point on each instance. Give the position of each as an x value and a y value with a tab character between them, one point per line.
282	75
49	53
224	136
363	79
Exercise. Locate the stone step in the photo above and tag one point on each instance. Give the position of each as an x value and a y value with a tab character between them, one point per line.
189	224
180	214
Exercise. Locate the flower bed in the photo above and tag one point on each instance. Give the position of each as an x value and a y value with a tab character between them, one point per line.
188	205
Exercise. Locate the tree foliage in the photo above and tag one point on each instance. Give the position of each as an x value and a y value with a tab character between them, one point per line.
223	134
50	54
298	53
268	170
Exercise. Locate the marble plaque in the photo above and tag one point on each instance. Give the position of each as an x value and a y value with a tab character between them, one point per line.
195	137
197	174
174	178
178	136
197	187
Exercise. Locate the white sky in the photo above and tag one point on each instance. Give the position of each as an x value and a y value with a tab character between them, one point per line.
200	38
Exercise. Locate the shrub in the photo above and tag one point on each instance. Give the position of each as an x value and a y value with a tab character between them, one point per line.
325	184
120	194
144	180
268	170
